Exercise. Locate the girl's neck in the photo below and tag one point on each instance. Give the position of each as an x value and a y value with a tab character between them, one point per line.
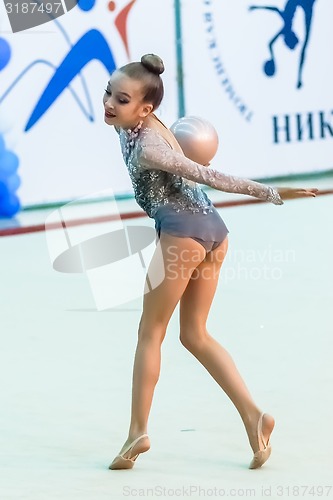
155	123
152	120
148	121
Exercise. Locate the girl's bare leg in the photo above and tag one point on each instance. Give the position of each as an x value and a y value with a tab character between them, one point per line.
194	308
180	257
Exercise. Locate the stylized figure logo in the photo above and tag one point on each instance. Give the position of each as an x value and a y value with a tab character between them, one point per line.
91	46
290	38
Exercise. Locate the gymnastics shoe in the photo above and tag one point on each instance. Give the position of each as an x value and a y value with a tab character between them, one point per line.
140	444
260	456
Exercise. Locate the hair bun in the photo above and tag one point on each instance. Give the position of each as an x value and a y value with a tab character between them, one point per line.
153	63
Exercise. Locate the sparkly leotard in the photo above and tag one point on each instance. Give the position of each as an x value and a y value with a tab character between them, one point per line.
165	187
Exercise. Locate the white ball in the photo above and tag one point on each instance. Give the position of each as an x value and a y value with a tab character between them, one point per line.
197	138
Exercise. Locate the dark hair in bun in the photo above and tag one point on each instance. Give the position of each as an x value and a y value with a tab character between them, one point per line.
153	63
148	70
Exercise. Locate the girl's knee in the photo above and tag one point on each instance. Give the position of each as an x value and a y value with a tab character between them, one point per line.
193	338
151	331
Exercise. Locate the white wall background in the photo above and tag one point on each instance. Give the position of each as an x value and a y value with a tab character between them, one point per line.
246	146
66	156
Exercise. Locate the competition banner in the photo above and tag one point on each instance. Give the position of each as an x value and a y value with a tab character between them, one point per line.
260	72
52	81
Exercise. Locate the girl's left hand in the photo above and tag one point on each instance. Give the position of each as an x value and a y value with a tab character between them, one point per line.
287	193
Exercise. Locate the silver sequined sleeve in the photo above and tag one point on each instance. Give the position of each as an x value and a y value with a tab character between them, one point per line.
155	153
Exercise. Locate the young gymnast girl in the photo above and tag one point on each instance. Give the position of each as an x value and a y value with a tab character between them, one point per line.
165	187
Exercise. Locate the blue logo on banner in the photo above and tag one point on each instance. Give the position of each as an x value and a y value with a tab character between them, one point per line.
288	34
91	46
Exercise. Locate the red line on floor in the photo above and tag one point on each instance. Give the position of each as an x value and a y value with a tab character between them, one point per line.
12	231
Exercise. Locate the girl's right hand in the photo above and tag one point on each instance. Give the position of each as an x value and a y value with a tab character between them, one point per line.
288	193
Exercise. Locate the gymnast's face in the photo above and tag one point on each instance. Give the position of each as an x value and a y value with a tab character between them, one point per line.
123	101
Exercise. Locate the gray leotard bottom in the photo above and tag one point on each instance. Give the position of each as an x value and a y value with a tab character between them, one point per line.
208	229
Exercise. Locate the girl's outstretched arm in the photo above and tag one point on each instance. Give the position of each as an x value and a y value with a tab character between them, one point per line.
155	153
289	193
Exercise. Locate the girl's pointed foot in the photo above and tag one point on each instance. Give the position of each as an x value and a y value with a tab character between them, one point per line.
265	427
126	459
